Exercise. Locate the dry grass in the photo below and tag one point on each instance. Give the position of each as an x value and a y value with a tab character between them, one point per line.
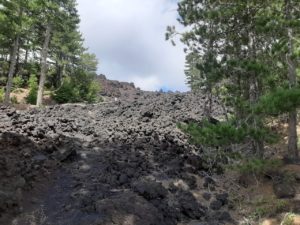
20	94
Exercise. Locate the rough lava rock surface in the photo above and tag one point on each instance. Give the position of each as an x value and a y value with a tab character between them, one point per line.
121	162
111	89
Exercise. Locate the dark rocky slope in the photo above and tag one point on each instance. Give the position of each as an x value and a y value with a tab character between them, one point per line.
123	162
111	89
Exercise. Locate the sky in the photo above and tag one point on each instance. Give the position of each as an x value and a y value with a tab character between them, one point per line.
128	38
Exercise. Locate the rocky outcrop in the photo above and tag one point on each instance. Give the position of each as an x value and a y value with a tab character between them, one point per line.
111	89
283	186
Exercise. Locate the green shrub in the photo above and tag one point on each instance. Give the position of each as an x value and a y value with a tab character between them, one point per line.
3	81
92	95
2	93
221	134
33	89
18	82
258	166
225	133
66	93
81	87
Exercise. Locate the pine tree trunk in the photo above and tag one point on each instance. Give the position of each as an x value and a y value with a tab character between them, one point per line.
208	103
17	70
292	129
292	76
59	72
292	133
254	94
26	57
59	77
44	56
258	144
12	67
22	70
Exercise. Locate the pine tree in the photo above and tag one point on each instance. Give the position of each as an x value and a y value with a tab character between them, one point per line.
36	33
243	50
59	20
67	43
14	16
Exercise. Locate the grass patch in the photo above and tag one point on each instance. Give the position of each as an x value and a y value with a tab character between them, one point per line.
288	219
268	206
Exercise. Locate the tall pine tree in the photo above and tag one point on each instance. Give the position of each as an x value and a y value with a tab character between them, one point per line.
242	49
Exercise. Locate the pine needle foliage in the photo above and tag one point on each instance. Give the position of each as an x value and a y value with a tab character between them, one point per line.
224	134
242	51
279	102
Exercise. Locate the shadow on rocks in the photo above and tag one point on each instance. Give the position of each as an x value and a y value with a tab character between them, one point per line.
98	183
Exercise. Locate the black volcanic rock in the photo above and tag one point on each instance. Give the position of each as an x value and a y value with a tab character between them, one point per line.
117	161
116	89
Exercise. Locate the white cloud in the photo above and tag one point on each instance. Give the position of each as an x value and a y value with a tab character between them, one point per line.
128	38
147	83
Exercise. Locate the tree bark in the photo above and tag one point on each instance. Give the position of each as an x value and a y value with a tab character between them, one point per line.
292	76
59	71
26	56
44	55
254	94
12	68
17	70
292	136
292	129
23	66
